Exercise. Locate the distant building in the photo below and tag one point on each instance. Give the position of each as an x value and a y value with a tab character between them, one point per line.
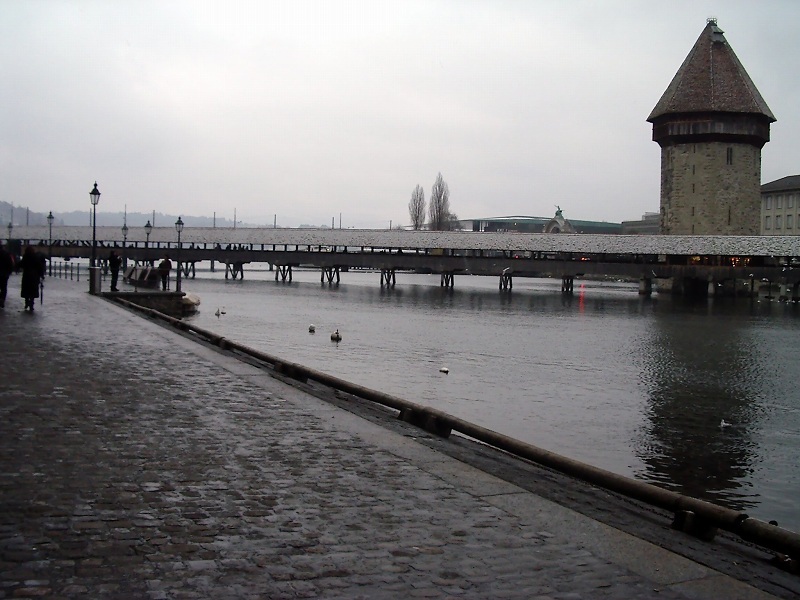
558	224
711	124
524	224
780	206
649	224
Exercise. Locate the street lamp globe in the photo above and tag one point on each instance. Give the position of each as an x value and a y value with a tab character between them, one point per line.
94	195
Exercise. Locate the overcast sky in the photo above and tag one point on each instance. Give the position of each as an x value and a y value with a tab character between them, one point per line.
309	110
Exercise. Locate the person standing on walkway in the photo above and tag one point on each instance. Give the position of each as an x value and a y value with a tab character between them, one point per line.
6	267
114	264
164	267
32	275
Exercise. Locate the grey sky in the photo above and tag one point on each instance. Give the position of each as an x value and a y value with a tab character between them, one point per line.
312	109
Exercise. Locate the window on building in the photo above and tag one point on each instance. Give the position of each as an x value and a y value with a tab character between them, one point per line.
789	221
729	157
790	201
779	201
767	223
778	222
769	202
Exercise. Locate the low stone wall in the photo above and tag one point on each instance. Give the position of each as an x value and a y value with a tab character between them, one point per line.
169	303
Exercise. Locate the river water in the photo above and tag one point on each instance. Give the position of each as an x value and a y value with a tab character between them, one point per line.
634	385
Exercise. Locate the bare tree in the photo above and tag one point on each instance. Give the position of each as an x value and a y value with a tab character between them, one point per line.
416	208
439	207
453	223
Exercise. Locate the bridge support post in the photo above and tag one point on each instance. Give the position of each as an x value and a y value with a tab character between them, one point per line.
645	286
331	273
567	284
235	270
387	278
447	280
506	282
285	271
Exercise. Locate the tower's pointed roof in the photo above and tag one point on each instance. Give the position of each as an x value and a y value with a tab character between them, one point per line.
711	79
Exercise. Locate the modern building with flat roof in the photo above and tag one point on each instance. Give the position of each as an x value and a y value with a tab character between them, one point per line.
527	224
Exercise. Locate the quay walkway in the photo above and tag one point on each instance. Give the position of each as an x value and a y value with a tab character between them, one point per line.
136	462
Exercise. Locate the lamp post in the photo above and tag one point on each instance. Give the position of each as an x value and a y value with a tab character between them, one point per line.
50	219
179	228
148	229
94	196
124	245
10	227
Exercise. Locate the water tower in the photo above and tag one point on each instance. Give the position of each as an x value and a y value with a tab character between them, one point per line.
711	124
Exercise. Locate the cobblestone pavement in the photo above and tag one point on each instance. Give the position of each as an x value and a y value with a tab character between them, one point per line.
136	463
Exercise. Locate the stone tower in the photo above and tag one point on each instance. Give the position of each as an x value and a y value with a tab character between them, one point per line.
711	124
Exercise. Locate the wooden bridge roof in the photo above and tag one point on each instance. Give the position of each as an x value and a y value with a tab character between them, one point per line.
456	240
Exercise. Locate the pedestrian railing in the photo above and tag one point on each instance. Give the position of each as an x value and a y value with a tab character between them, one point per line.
65	270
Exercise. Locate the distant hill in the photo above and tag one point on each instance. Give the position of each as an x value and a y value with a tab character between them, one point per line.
22	216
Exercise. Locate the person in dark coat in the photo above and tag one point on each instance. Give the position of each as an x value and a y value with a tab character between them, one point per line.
164	267
114	264
32	275
6	267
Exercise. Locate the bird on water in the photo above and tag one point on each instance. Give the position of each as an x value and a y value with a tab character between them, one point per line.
336	336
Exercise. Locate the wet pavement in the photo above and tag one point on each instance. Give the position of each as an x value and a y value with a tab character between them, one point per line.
138	463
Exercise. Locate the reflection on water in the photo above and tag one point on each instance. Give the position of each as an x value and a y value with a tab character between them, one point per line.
634	385
699	381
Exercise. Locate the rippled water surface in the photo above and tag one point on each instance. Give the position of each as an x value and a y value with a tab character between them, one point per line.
637	386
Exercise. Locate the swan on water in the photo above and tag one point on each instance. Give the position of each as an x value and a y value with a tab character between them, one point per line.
444	370
723	424
336	336
311	328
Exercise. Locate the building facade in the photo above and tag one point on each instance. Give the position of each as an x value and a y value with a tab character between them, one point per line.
649	224
711	124
527	224
780	206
